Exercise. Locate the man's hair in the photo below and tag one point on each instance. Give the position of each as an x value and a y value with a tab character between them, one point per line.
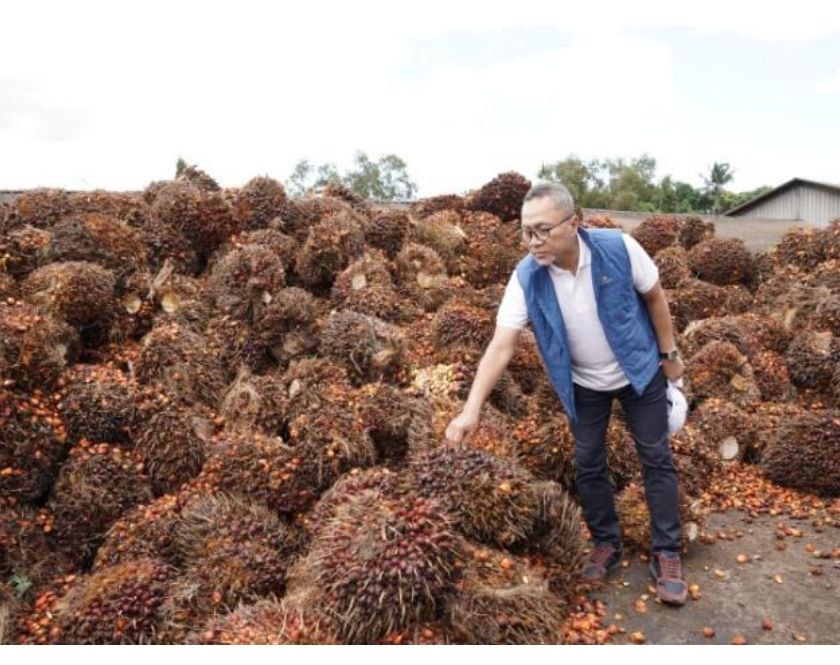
558	193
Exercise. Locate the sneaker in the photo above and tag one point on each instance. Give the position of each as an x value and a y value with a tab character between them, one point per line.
604	559
666	568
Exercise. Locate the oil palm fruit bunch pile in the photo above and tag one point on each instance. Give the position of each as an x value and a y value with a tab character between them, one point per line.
222	413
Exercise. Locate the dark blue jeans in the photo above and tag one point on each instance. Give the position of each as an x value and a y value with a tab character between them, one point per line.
647	419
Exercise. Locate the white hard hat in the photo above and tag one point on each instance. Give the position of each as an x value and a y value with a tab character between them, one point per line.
677	406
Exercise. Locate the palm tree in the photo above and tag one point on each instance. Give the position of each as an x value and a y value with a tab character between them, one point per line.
719	174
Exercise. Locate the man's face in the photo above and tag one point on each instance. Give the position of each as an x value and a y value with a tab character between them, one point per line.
547	231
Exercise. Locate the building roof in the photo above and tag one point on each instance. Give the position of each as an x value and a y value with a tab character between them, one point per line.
793	182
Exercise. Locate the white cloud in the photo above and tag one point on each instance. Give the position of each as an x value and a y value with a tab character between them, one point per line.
830	85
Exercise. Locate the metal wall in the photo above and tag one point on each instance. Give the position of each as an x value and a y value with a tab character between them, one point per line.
802	202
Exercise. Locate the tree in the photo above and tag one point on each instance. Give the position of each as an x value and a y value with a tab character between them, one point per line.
720	174
180	166
385	179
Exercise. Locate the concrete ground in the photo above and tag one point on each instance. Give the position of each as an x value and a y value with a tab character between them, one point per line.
772	596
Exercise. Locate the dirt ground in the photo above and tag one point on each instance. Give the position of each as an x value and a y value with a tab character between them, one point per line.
768	595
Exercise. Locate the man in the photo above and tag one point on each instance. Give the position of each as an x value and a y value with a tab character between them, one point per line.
603	328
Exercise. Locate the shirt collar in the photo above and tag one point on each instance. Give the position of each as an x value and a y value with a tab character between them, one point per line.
584	258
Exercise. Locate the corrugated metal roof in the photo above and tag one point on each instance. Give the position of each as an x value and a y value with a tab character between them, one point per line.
783	187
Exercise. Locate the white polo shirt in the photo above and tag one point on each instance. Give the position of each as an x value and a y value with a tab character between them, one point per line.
594	365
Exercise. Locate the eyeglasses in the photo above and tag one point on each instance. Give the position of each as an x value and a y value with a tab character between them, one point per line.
542	233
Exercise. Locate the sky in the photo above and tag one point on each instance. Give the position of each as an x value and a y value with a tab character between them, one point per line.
110	95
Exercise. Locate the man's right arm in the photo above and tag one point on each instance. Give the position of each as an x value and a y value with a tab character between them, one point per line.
494	361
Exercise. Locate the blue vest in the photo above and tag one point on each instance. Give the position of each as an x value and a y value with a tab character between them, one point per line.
621	309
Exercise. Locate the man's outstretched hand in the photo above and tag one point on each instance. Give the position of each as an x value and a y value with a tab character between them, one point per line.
460	429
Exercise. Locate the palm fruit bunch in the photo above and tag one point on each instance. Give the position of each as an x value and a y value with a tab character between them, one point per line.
557	537
128	207
245	280
199	179
261	469
502	196
38	207
694	230
287	326
748	332
96	402
546	445
205	218
767	418
772	375
826	314
8	287
331	441
600	222
255	403
387	230
167	296
443	232
177	358
26	559
301	215
504	600
237	345
805	453
288	621
331	245
735	299
830	240
656	233
812	359
336	190
380	565
493	250
285	247
673	267
724	427
34	347
634	516
718	369
311	384
365	286
420	277
165	243
99	239
428	206
118	605
171	435
370	349
492	500
230	551
32	445
694	300
721	261
145	531
398	423
378	480
697	459
764	265
801	247
458	323
96	485
78	292
258	202
23	249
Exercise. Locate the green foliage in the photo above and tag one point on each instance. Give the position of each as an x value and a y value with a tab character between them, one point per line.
385	179
180	166
630	184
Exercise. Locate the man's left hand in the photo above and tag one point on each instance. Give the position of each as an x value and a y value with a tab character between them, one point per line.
673	369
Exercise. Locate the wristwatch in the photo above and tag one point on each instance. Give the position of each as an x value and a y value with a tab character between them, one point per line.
671	355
